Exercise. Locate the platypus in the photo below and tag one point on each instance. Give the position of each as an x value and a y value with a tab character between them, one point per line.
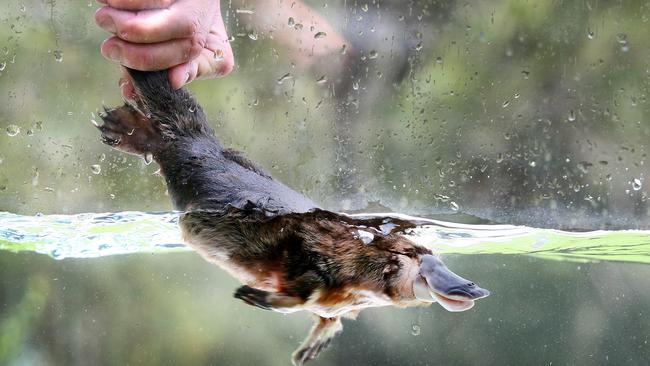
289	253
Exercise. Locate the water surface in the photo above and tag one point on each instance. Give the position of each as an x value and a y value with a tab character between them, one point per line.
101	234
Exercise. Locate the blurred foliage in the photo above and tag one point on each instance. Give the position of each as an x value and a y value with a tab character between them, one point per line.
511	110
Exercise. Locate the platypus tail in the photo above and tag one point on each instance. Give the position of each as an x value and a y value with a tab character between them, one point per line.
157	116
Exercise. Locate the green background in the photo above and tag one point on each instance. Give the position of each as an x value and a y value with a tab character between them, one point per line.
516	111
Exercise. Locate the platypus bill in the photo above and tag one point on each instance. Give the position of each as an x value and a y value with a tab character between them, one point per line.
289	254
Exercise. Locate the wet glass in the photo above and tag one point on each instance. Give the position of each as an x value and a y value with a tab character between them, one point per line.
488	113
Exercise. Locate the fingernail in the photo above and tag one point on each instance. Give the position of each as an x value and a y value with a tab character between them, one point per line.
108	24
113	52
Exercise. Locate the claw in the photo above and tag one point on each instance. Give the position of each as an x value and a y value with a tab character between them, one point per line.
253	297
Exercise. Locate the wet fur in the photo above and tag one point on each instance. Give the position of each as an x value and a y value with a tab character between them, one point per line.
290	254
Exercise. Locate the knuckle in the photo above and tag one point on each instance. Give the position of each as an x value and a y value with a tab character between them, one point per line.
131	30
196	45
192	28
144	61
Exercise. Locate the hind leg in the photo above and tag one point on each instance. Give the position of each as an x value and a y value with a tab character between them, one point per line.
128	130
319	338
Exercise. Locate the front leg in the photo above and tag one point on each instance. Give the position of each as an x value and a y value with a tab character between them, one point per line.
268	300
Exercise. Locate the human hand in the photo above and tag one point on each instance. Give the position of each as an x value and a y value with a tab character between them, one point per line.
187	37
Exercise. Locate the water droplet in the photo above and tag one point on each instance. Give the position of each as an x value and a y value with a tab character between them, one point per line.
364	7
253	36
56	254
12	130
58	55
454	206
96	168
284	78
525	74
439	60
505	103
291	22
148	158
218	54
355	85
192	109
636	184
244	11
590	34
373	54
622	40
418	47
2	66
344	49
321	80
532	164
415	330
584	166
298	26
572	116
320	35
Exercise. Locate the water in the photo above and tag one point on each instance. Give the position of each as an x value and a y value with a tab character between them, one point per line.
179	309
102	234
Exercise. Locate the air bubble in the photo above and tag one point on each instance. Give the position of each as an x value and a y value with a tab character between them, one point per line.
96	168
454	206
636	184
373	54
58	55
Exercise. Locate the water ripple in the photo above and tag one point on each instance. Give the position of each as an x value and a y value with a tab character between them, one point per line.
102	234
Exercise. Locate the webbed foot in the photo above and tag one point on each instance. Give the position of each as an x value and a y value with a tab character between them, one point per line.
128	130
319	338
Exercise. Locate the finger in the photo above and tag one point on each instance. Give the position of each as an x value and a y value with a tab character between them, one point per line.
182	74
148	26
152	56
214	61
205	66
138	5
126	86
